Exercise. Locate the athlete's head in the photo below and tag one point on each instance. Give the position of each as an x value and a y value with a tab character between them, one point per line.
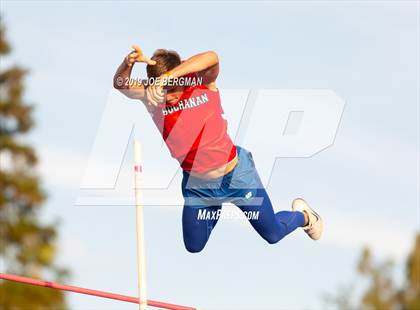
165	60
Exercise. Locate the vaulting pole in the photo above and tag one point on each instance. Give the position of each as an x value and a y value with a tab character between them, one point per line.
86	291
141	258
141	255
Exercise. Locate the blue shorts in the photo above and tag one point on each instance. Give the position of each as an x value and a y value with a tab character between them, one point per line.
238	186
242	187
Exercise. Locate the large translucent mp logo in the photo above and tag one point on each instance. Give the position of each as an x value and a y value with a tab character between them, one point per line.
271	123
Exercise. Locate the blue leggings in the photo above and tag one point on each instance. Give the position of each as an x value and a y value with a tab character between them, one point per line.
269	225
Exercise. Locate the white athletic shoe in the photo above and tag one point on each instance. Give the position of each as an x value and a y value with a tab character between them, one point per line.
315	225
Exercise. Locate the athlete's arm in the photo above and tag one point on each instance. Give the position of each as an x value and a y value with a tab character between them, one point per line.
205	65
133	90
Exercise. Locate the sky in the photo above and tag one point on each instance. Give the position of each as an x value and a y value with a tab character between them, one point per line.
365	184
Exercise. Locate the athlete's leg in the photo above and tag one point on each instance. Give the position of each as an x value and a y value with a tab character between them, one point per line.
271	226
197	230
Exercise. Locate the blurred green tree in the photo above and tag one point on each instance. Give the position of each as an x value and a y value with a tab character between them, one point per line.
382	293
27	246
409	295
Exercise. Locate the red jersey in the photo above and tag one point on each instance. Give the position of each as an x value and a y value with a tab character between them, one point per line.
195	131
